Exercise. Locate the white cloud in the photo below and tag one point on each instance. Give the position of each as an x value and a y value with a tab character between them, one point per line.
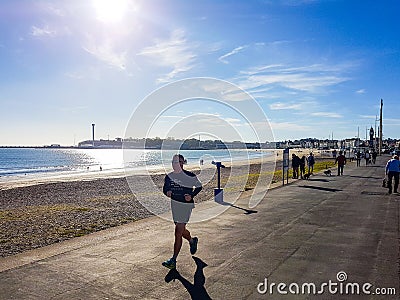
367	117
51	9
362	91
107	53
174	53
288	126
326	114
391	122
280	106
234	51
256	70
45	31
309	78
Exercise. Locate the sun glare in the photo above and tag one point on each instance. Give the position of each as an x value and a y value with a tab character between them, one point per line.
110	10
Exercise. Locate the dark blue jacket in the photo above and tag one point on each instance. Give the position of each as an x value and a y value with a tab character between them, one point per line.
180	184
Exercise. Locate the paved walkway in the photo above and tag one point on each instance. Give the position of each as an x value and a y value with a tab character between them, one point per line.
306	232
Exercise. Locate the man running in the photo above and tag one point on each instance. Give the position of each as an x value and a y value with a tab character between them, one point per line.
181	186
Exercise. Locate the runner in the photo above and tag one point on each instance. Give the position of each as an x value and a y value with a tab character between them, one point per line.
181	186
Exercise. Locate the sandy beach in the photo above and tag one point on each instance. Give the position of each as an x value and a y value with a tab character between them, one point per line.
34	215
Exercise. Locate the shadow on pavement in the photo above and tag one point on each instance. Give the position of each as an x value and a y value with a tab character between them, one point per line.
375	193
318	179
366	177
197	289
319	188
246	211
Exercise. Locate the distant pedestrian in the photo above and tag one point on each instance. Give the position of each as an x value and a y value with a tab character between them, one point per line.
374	155
358	158
334	153
295	165
302	166
310	163
341	161
367	157
392	170
181	186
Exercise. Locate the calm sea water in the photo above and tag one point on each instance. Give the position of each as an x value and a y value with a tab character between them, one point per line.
21	162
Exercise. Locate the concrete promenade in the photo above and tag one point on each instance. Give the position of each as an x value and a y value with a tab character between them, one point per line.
311	231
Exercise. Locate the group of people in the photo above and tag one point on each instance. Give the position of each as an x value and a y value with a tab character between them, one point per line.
370	157
392	169
299	165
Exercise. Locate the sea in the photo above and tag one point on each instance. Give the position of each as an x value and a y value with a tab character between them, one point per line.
36	163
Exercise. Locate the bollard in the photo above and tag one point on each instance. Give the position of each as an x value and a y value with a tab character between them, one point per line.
218	193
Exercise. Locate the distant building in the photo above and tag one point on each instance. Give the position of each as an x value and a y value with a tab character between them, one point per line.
101	144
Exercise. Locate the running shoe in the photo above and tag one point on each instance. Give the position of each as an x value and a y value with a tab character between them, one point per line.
193	245
170	263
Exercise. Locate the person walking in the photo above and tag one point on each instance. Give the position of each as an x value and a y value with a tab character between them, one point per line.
392	170
334	153
367	157
311	163
341	161
181	186
374	154
358	158
295	165
302	166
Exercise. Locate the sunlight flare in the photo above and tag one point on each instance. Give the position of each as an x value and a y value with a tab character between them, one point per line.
110	10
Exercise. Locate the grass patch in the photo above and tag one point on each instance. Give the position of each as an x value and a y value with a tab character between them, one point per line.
253	178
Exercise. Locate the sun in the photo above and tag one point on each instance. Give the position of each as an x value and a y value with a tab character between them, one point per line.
110	10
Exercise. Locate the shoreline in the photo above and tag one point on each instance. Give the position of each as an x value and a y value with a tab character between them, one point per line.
31	179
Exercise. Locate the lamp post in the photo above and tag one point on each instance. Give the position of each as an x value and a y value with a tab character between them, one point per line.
380	129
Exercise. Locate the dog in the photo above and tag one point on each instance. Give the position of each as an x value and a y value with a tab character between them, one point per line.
306	176
328	173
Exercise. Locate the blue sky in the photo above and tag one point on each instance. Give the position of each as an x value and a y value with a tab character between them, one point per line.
314	67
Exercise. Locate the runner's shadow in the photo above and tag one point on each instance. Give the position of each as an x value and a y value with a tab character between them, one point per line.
197	289
246	211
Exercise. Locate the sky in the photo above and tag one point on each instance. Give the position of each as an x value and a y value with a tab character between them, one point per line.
314	68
